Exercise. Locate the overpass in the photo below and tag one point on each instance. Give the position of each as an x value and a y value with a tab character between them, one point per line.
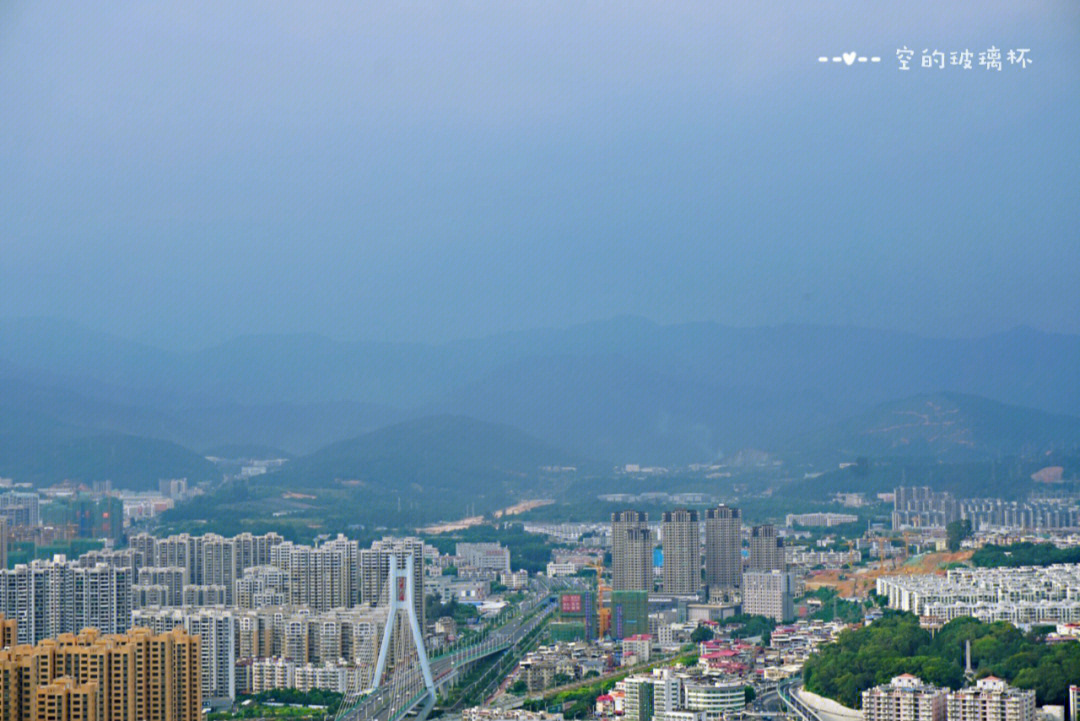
406	688
786	691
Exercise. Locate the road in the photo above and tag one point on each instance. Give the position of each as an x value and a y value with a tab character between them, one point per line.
463	523
798	709
766	706
389	702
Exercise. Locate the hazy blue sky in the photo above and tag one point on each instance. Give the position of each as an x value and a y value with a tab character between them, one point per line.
183	172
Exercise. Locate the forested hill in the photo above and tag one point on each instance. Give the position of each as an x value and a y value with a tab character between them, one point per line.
438	456
896	644
944	427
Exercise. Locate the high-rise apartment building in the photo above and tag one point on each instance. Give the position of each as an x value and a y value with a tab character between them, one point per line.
263	586
375	570
631	552
278	642
208	560
200	595
682	552
59	596
172	579
91	677
218	563
769	593
991	699
667	691
20	508
3	542
217	631
253	550
629	613
640	544
639	698
125	558
64	700
320	578
922	506
905	698
766	549
267	674
723	547
576	618
9	632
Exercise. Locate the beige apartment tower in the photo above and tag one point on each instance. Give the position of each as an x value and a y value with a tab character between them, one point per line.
682	552
631	552
91	677
723	547
65	700
9	632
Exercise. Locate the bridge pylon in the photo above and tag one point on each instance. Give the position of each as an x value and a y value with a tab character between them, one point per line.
402	599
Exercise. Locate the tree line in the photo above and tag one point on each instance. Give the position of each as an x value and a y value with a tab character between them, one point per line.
1024	554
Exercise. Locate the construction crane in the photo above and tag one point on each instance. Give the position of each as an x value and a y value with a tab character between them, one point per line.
603	612
855	578
886	559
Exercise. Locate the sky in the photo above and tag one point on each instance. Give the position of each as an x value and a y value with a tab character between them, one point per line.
185	172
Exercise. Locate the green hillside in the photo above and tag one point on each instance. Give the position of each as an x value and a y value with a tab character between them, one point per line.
895	644
436	455
431	469
128	461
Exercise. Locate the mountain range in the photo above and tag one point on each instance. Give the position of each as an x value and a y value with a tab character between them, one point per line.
446	457
624	390
945	426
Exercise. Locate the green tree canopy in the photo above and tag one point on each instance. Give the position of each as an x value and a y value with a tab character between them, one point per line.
895	644
701	633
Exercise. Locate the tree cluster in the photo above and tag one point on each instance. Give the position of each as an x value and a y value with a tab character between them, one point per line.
1024	554
750	626
895	644
460	612
956	532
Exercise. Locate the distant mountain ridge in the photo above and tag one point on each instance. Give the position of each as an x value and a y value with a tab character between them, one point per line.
44	454
624	390
447	457
945	426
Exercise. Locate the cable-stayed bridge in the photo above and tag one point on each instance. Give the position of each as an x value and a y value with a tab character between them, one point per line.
415	680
